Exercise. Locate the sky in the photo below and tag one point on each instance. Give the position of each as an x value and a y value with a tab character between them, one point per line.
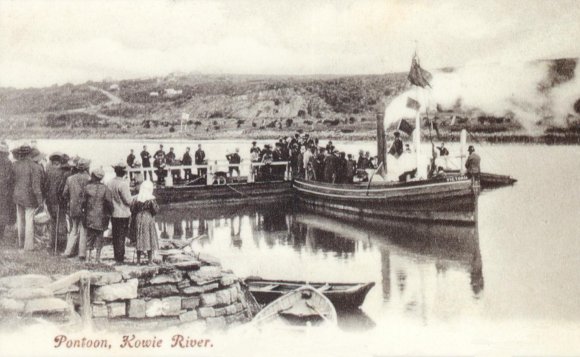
55	42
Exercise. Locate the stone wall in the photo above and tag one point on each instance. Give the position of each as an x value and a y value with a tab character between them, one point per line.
139	297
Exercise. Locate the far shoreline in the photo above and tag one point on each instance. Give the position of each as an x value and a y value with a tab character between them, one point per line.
553	138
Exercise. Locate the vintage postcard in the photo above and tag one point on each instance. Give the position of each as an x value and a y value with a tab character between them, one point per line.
289	178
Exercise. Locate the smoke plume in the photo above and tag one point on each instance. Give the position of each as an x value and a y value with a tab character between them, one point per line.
541	92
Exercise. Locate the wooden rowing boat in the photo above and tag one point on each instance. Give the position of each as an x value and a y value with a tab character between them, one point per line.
344	296
301	307
451	200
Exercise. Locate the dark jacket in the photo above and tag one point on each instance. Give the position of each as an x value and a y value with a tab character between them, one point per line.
350	168
362	163
73	193
7	210
97	206
186	159
55	182
145	159
397	148
331	166
234	158
472	163
170	157
199	156
130	160
28	183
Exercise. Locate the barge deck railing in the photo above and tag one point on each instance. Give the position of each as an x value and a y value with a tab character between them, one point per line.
210	170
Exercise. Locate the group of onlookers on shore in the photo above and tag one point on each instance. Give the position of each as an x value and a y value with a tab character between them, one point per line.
69	190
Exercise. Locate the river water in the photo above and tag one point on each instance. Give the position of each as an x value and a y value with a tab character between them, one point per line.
518	269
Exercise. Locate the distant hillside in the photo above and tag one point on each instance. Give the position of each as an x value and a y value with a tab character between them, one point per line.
219	106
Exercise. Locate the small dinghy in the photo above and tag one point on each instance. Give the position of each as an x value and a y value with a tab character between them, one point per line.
344	296
302	307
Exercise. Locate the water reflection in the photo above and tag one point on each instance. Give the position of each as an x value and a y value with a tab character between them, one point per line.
423	271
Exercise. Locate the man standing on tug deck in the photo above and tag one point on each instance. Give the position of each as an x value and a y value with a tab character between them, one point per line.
473	164
121	196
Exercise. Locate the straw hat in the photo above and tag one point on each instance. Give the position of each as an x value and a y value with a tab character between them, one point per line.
82	164
36	155
120	165
98	173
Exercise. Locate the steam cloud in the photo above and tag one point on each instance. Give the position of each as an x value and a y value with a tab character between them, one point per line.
530	93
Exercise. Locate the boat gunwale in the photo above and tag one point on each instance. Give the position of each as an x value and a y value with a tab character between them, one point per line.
393	187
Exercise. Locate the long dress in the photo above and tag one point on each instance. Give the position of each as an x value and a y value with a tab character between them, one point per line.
143	225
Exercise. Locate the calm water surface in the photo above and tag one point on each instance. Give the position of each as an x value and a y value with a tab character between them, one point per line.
521	261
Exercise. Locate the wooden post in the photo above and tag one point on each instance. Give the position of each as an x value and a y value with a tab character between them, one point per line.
381	146
85	295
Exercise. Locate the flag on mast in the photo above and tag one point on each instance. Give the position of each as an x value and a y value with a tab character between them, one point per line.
417	75
405	127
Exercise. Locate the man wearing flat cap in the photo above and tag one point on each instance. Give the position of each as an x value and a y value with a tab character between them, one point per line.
121	195
28	176
73	194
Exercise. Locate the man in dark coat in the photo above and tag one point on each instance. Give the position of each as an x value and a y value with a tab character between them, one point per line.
319	164
187	161
397	147
473	164
7	211
331	166
234	159
362	162
28	177
131	163
97	207
56	177
200	160
73	195
350	169
121	197
146	162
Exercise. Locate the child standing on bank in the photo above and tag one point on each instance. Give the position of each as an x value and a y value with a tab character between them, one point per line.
144	209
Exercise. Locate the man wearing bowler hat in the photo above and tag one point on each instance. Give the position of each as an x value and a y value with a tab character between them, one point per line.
121	195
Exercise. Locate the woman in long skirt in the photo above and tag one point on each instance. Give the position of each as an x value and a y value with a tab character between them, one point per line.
144	209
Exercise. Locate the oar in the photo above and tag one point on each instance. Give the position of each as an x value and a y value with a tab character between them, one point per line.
318	312
272	314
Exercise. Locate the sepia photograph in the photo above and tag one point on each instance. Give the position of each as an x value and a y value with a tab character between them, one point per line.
289	178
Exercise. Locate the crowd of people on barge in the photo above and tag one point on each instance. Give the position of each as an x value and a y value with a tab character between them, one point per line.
67	189
306	159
